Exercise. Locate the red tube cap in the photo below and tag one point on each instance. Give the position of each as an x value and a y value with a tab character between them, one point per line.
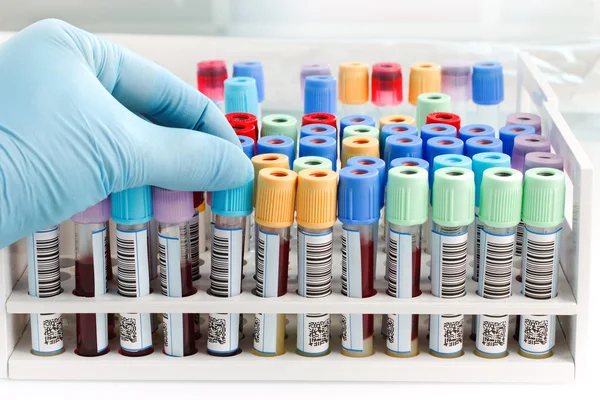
444	118
243	118
211	77
319	118
386	84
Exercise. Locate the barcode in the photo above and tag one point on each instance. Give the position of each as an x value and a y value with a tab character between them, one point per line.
260	266
217	330
344	265
226	262
477	255
539	265
453	333
535	333
256	334
165	325
519	245
53	331
392	261
195	247
164	264
128	329
47	264
315	262
497	266
494	333
453	268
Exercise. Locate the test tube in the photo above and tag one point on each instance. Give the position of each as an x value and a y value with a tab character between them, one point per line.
402	145
311	162
353	120
91	258
243	118
425	77
406	212
241	96
253	70
318	129
508	133
456	82
526	119
359	146
211	75
467	132
231	208
360	130
310	69
353	92
395	129
429	131
43	273
320	118
543	215
319	146
277	144
197	244
500	209
453	204
482	145
386	87
488	92
275	200
444	118
173	210
428	103
358	210
317	190
280	125
320	94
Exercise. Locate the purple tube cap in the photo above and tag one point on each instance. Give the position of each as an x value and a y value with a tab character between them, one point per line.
314	69
526	119
172	206
456	80
538	159
96	214
525	144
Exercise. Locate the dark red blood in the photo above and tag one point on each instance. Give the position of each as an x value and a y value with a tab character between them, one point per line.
87	342
284	255
415	327
189	335
416	269
368	326
187	287
367	260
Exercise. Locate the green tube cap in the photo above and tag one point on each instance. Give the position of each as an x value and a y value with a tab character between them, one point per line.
312	162
407	196
544	197
500	197
453	197
280	125
431	102
361	130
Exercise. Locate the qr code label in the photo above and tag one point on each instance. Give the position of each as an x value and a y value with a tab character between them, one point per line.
536	334
446	334
313	333
492	334
352	332
47	333
265	333
400	333
223	333
135	331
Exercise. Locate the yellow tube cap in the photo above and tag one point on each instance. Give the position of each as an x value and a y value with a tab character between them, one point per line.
275	197
353	80
316	198
424	78
359	146
268	160
396	119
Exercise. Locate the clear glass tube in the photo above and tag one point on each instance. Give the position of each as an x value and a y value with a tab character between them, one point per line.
461	108
353	109
488	115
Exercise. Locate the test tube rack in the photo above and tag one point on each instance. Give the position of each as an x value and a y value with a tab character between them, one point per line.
571	305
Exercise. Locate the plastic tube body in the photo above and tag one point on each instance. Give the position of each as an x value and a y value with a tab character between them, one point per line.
488	115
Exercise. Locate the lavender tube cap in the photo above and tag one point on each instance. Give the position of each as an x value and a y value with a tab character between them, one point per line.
172	206
96	214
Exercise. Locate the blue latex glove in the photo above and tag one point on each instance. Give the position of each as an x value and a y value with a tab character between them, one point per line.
71	131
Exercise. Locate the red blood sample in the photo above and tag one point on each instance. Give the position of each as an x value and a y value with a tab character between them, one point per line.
187	287
367	326
284	255
141	353
367	253
416	269
189	335
319	118
109	271
444	118
198	199
111	326
415	327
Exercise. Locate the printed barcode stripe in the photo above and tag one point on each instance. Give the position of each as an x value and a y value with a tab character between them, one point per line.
496	269
315	262
344	265
226	262
392	263
540	265
195	246
268	258
519	245
477	254
132	263
45	264
449	262
169	262
260	265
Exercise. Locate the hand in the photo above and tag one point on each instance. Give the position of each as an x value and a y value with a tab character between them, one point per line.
72	132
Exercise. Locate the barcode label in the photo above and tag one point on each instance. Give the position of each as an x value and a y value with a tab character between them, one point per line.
315	261
223	333
248	232
449	264
43	259
492	334
265	333
476	251
536	333
135	331
47	333
226	262
173	334
170	247
267	264
400	265
313	333
540	264
101	332
519	244
446	334
351	264
100	259
197	243
352	332
133	274
496	265
401	331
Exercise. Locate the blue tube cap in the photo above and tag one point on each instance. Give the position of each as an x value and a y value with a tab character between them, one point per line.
409	162
395	129
247	145
354	120
252	69
276	144
358	195
477	145
320	94
483	161
398	146
319	130
437	146
132	206
508	134
475	130
429	131
447	161
235	202
488	83
241	95
376	163
320	146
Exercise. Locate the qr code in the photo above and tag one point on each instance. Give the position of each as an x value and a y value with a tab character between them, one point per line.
344	328
536	332
166	329
53	330
217	330
494	333
128	329
318	333
453	333
256	330
389	331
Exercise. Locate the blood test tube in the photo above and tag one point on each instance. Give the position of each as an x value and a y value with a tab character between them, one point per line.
353	92
425	77
43	272
131	209
277	144
444	118
243	118
359	146
528	119
247	146
231	208
488	92
396	119
395	129
386	87
280	125
543	215
241	96
456	83
317	190
197	245
275	200
467	132
310	69
358	210
453	204
211	75
252	70
320	146
91	257
379	165
319	118
311	162
500	209
508	133
320	94
482	145
406	212
428	103
429	131
318	129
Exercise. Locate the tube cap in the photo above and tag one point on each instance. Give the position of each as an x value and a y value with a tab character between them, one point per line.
431	102
320	94
312	69
409	162
320	146
210	77
280	125
242	117
247	145
354	83
235	202
386	84
275	197
318	129
320	118
270	160
132	206
488	83
482	145
451	161
484	161
437	146
376	163
407	196
358	195
316	198
527	144
443	118
395	129
277	144
526	119
543	197
353	120
508	134
396	119
501	195
241	96
453	197
252	69
244	129
429	131
424	78
475	130
96	214
172	206
543	160
359	146
456	80
361	130
311	162
400	146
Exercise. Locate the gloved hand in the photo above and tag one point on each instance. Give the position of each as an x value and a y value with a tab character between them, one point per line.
71	131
